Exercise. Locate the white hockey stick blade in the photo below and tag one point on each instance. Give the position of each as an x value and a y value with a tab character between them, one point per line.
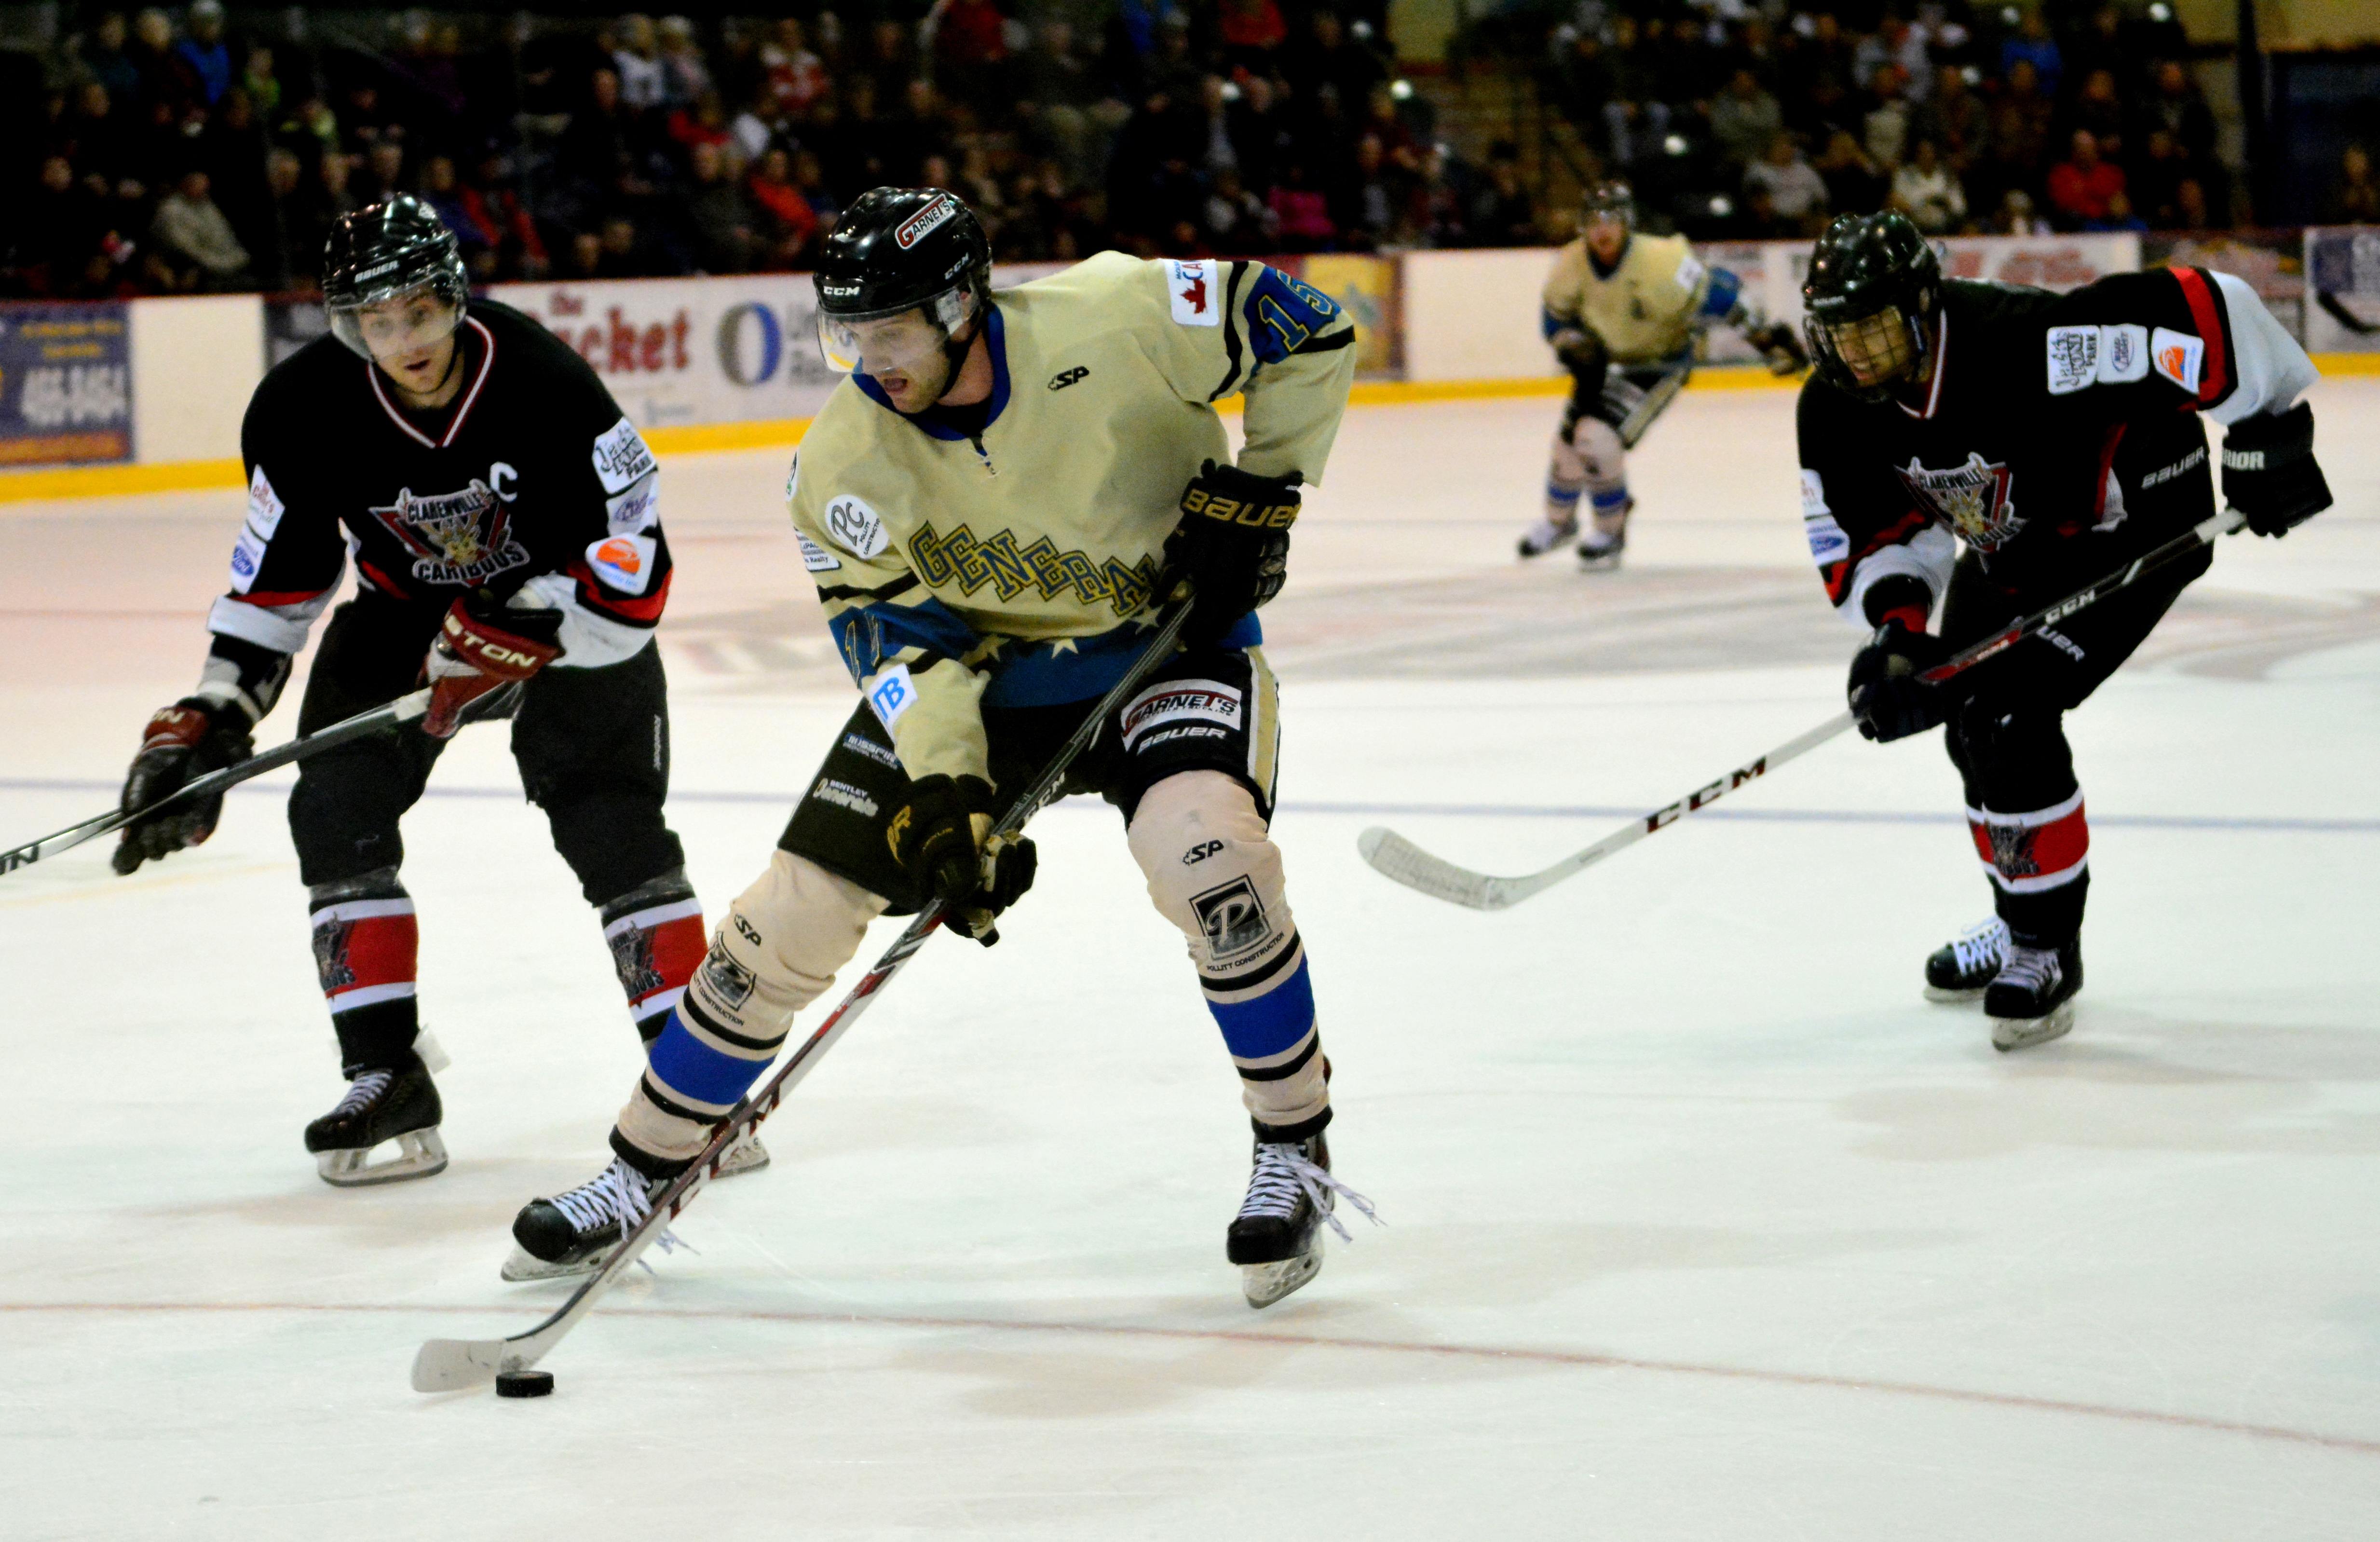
1396	858
1399	859
450	1365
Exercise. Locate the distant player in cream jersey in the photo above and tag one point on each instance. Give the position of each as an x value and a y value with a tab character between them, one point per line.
1621	311
993	508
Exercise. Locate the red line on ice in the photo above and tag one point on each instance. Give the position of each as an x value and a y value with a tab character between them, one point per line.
1587	1359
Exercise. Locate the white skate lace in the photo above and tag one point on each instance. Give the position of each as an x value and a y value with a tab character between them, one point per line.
363	1092
616	1194
2034	969
1985	943
1282	1173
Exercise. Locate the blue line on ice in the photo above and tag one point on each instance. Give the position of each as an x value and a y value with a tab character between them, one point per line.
2282	824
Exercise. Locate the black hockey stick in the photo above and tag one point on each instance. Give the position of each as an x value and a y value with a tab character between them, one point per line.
450	1365
1408	864
405	708
2338	312
1657	398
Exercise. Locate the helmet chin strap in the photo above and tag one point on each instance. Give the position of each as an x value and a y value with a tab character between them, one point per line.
955	352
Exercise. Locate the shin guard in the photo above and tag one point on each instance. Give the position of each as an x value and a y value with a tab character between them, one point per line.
366	944
655	935
776	952
1214	872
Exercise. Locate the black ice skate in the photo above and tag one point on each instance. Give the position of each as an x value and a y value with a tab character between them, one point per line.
1276	1237
381	1106
1959	969
571	1232
1599	549
2031	1000
1546	535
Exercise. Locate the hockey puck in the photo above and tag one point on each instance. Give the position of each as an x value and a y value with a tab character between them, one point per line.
525	1384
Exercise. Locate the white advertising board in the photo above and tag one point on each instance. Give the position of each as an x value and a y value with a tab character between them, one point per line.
731	350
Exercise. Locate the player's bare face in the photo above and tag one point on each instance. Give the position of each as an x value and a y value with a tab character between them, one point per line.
1877	349
412	338
1606	238
904	354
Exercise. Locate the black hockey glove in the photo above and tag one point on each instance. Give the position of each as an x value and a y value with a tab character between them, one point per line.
1887	697
1232	545
182	743
1782	346
937	838
2269	472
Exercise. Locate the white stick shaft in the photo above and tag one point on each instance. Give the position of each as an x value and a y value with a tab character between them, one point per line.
1399	859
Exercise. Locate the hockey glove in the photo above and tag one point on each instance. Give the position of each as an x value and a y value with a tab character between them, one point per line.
2269	472
1886	696
939	840
1782	346
182	743
1232	545
482	644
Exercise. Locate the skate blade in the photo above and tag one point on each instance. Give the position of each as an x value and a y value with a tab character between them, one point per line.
2023	1033
1528	551
523	1265
1598	562
1265	1284
420	1155
746	1155
1955	994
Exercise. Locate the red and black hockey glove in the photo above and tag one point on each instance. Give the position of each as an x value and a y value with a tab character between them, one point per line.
2269	472
1232	545
482	645
939	839
182	743
1886	696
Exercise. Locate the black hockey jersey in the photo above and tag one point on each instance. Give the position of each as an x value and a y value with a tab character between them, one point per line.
530	479
2061	434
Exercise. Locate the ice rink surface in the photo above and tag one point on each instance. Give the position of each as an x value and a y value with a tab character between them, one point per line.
1701	1224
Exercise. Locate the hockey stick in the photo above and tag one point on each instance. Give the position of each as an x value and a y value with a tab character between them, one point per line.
2338	312
1408	864
1657	397
405	708
450	1365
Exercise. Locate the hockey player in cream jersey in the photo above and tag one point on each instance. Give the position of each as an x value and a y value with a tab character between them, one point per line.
1622	312
993	508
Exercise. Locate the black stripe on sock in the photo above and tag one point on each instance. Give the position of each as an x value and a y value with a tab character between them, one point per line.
1255	977
712	1025
672	1107
1288	1068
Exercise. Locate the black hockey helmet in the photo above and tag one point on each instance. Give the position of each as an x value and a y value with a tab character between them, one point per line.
897	250
387	251
1609	200
1874	290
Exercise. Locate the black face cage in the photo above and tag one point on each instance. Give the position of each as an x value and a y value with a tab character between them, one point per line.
1830	365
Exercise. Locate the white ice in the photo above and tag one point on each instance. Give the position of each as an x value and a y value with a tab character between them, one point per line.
1702	1223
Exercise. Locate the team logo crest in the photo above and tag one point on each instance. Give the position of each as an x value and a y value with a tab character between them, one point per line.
632	959
331	965
1972	499
458	537
2012	850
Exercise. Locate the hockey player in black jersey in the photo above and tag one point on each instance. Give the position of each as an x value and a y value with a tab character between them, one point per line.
504	519
1988	449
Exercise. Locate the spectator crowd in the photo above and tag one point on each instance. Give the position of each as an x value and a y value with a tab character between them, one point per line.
164	151
175	152
2014	119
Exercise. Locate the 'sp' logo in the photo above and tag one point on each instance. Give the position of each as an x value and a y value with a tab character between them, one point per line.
1065	378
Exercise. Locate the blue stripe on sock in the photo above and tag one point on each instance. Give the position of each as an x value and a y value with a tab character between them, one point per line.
1605	501
1271	1024
1565	495
684	1066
